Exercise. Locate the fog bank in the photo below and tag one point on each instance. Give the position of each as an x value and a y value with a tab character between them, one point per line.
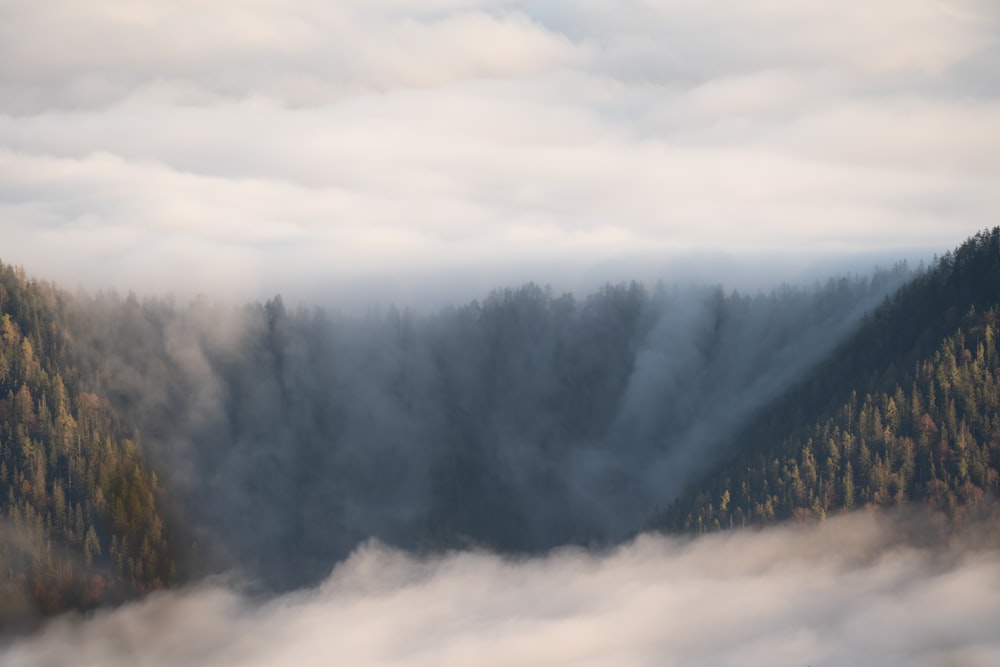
861	589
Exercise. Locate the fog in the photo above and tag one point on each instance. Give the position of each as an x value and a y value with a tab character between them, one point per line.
864	589
527	421
428	290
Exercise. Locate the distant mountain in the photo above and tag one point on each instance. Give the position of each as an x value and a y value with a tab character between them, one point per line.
906	410
79	505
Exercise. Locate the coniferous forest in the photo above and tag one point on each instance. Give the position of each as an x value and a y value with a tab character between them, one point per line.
145	443
907	410
81	518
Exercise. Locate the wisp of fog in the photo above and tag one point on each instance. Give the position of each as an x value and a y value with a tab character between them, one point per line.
854	590
522	423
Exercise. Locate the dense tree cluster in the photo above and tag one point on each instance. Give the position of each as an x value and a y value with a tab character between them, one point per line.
529	420
521	422
78	504
915	423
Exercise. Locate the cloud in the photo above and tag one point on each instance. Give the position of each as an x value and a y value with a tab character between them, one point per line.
303	52
303	142
859	589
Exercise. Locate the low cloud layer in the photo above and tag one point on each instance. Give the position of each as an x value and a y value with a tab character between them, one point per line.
267	146
863	589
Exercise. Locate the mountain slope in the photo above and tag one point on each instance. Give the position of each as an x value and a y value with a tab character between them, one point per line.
522	423
519	424
78	504
907	410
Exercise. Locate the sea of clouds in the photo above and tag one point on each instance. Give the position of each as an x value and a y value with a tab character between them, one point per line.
861	589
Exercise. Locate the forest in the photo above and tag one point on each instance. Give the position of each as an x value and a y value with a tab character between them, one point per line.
80	505
145	443
907	410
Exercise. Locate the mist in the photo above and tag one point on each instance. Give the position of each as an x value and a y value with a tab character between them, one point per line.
427	290
867	588
528	421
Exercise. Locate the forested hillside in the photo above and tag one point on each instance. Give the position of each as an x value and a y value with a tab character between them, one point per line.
139	438
529	420
79	513
907	410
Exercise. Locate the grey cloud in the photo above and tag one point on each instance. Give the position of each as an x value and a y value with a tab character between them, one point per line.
974	74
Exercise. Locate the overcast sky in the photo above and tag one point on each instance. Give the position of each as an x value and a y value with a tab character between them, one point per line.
248	146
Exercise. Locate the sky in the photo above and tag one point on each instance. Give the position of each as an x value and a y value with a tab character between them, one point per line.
245	147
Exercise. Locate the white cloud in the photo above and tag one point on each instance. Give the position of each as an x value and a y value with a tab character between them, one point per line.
854	590
262	142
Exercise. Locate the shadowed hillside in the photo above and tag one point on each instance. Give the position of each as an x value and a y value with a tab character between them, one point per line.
907	410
